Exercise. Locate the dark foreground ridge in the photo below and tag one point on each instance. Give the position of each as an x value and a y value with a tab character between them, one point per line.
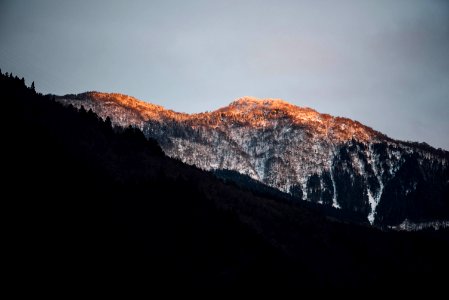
101	206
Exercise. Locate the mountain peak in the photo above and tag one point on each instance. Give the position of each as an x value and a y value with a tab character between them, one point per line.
254	100
249	102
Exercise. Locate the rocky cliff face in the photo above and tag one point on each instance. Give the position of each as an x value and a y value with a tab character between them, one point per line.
315	157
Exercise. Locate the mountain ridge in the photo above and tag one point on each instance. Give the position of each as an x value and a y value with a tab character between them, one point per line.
314	157
240	107
126	101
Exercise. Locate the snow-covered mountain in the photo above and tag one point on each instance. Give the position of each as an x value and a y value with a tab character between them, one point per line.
315	157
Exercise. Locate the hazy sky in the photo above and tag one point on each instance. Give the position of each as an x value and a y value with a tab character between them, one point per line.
383	63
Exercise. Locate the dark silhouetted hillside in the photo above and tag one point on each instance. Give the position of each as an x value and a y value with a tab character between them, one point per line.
103	207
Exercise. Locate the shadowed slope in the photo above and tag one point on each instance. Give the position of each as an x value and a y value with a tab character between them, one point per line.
102	206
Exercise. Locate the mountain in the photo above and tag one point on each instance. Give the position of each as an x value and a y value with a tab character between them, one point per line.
315	157
94	207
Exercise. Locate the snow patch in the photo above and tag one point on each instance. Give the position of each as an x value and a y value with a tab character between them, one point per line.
334	195
373	203
408	225
374	199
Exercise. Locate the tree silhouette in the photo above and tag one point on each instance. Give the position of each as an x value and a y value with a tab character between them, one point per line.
108	122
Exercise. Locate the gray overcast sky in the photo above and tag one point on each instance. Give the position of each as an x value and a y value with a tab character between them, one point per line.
383	63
